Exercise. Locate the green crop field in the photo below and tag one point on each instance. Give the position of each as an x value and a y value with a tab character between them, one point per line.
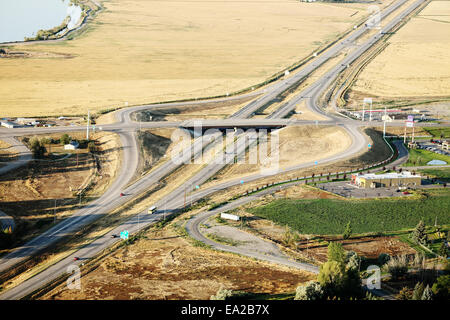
419	157
438	132
325	216
442	173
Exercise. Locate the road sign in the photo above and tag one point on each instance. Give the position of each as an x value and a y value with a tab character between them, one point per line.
369	145
410	118
410	124
197	187
124	235
367	100
242	181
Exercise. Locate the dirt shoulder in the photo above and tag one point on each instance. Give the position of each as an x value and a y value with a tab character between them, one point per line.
7	153
46	191
163	265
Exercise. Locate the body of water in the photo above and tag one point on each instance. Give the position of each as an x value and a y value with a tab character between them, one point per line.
24	18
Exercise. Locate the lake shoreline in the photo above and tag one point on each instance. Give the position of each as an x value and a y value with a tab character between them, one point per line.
62	31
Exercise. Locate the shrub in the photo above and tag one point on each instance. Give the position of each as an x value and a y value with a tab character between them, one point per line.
418	291
397	267
427	293
225	294
404	294
65	139
441	288
312	290
383	258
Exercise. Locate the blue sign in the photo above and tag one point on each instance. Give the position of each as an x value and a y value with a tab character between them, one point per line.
124	235
242	181
197	187
315	162
369	145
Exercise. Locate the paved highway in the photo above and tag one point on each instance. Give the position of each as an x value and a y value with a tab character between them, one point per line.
110	200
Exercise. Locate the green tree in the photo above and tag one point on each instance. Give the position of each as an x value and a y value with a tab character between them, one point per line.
37	148
65	139
353	260
91	147
441	288
427	293
46	142
419	234
336	253
339	276
418	291
383	258
331	277
347	231
443	250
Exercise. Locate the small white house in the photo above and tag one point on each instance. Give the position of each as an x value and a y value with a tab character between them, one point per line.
73	145
8	124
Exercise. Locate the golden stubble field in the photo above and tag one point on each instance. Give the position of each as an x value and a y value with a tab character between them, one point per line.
297	145
417	61
140	52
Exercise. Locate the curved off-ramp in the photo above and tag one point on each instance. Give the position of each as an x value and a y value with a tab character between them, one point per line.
25	155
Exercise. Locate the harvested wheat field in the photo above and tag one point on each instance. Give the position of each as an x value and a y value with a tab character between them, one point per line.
166	266
417	61
146	51
297	145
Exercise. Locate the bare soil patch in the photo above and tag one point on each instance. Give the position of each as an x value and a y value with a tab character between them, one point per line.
166	266
44	192
7	153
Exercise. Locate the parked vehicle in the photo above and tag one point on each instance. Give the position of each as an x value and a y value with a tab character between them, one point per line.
151	210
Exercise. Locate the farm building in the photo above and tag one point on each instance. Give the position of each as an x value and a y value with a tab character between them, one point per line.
371	180
8	124
73	145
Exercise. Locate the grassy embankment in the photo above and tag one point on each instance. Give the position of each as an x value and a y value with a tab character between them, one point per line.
420	157
438	132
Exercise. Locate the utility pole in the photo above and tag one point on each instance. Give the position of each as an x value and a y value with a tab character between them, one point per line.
404	137
384	123
88	123
364	106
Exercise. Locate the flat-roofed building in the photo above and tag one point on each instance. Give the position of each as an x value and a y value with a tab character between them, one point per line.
445	144
384	180
8	124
